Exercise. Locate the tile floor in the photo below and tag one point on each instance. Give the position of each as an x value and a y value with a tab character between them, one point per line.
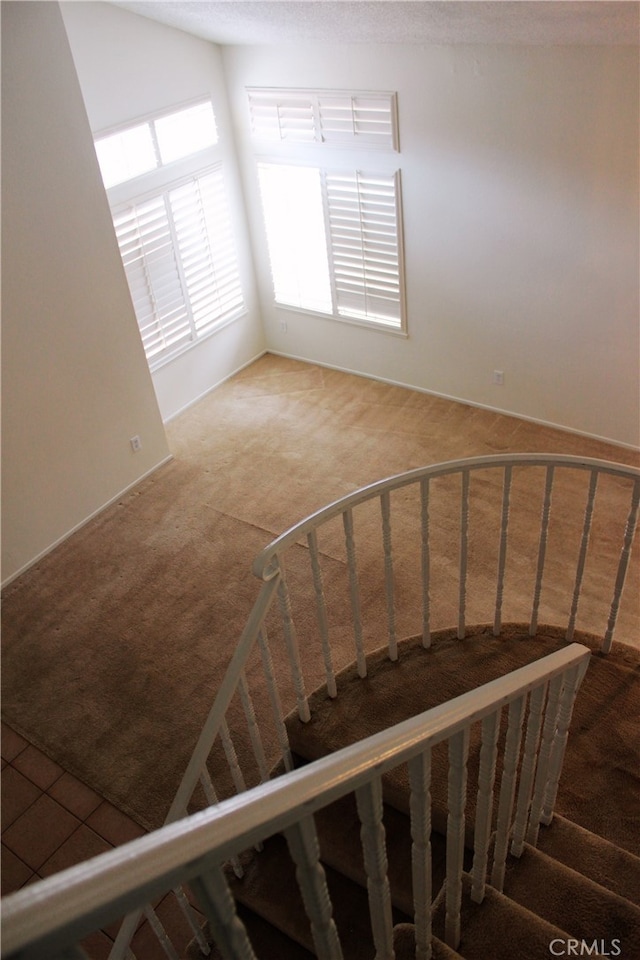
51	821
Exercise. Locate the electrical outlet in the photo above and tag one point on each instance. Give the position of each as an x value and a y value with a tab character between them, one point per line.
498	378
283	326
136	444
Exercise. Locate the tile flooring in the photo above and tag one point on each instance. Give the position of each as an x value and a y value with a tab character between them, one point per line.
51	821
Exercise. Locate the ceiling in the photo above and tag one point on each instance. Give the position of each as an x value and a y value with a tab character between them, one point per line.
399	21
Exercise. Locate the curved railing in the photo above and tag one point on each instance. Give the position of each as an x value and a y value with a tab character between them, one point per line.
531	539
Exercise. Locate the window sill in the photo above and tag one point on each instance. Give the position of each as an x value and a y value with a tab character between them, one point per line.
157	365
350	321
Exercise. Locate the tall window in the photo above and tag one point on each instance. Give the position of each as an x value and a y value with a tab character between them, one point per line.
334	230
173	227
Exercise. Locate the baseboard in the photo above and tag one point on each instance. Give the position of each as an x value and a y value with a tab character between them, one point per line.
214	386
468	403
82	523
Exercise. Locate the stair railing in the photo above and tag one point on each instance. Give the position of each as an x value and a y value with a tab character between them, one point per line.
296	599
48	919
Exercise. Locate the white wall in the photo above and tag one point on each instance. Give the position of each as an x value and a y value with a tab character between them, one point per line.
520	186
128	67
75	382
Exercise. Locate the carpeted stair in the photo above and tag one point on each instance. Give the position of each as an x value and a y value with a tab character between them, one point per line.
576	885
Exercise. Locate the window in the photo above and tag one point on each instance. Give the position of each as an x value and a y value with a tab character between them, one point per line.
173	227
334	231
333	241
324	116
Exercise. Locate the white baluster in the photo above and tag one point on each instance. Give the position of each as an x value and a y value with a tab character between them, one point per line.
385	503
217	903
190	917
232	758
303	845
573	679
293	651
163	937
274	699
347	519
464	551
425	562
212	798
457	798
372	834
507	791
623	566
584	544
420	807
484	804
544	758
542	549
321	608
502	558
254	730
128	927
527	770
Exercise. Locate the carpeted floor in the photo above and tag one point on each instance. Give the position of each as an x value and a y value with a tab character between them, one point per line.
115	643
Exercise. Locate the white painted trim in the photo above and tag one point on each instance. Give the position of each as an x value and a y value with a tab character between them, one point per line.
216	385
78	526
468	403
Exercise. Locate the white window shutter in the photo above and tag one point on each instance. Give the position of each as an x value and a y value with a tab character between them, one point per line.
207	250
146	246
336	118
364	243
179	256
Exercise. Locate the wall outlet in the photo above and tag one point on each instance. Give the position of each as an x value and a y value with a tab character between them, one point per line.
283	326
136	444
498	378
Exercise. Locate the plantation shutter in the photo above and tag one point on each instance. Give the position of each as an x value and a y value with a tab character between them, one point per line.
207	251
332	117
180	260
364	246
146	246
369	121
282	115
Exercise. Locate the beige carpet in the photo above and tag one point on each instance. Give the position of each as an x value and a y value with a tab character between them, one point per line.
114	644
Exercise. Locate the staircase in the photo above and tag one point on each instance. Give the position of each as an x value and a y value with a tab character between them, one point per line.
573	894
422	812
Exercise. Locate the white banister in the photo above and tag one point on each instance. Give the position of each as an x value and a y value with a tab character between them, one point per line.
274	699
502	557
385	505
372	833
573	679
464	552
623	566
544	758
216	900
425	562
254	729
321	608
354	590
528	767
507	791
161	934
302	841
420	809
484	804
457	798
582	556
291	641
542	549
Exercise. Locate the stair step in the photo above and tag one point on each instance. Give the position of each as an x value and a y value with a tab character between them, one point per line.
498	928
404	945
594	857
582	907
267	941
269	888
